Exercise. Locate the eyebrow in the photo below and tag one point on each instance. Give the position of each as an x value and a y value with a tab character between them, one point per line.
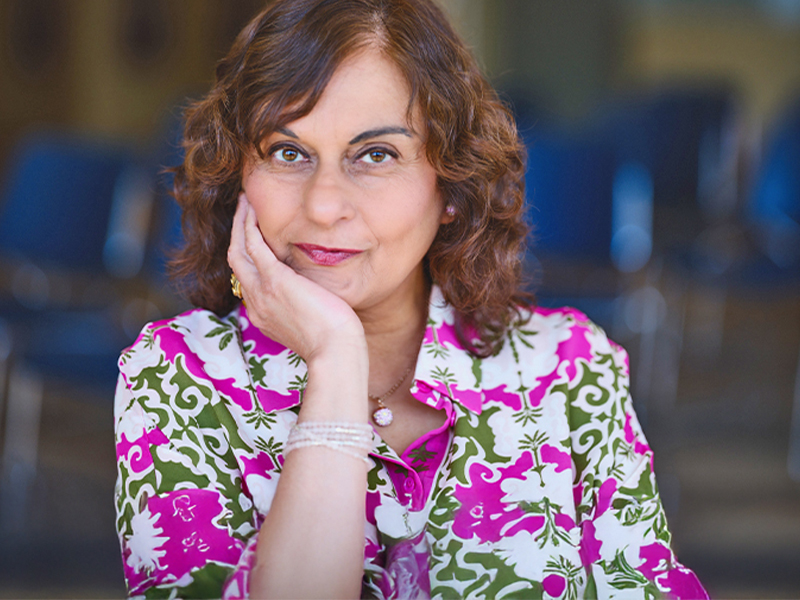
379	132
287	132
371	133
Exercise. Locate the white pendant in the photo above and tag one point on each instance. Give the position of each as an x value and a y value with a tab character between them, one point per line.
383	417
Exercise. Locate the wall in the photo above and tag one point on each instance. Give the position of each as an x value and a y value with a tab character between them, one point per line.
107	66
750	48
103	66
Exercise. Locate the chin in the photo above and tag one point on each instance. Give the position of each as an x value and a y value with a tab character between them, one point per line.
347	289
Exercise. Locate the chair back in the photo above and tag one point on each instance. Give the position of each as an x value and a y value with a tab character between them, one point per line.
684	136
165	234
569	191
57	200
774	205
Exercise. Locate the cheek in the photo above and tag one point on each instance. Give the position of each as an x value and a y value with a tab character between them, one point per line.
425	216
273	207
274	225
416	201
412	228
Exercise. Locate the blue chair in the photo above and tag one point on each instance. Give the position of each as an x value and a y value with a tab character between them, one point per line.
132	218
166	233
591	217
774	214
58	199
658	171
774	208
686	136
753	255
569	183
592	236
55	210
55	215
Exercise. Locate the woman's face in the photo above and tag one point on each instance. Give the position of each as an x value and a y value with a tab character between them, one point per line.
345	195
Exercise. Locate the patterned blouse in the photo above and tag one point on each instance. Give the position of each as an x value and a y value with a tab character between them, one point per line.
538	485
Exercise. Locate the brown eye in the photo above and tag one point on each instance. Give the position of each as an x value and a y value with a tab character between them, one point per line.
287	154
376	156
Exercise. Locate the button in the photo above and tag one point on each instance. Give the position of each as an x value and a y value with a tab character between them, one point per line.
409	484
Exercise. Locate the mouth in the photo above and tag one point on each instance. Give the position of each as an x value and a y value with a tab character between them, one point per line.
326	257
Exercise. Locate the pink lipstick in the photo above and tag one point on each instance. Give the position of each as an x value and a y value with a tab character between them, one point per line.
326	257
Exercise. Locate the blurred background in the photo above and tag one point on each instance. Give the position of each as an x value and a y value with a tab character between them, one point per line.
663	188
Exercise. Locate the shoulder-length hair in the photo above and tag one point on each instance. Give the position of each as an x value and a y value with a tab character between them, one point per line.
275	73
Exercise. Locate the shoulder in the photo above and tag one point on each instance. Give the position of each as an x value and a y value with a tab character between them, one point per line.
195	323
192	332
569	335
186	350
547	349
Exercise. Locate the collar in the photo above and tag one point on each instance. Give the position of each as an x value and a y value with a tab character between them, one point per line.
444	367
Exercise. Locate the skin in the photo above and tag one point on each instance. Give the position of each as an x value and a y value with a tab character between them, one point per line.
328	241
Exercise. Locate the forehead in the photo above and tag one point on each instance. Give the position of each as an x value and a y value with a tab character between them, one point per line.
366	88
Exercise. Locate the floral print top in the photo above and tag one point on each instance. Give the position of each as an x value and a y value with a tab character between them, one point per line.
538	485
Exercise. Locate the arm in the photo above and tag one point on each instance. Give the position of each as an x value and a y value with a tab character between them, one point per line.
311	543
625	543
182	518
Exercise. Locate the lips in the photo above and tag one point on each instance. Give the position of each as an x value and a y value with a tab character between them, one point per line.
326	257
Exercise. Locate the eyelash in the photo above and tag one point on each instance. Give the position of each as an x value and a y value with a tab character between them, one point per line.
386	151
277	149
381	149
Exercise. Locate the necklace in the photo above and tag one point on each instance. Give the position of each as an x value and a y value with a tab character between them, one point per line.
383	416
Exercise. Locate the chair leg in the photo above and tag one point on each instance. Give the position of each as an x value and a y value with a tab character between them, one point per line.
643	311
6	347
667	356
20	449
652	309
794	432
3	378
707	326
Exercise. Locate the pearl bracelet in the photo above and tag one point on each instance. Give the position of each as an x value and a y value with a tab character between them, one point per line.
344	437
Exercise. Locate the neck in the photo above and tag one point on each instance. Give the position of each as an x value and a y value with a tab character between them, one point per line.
394	334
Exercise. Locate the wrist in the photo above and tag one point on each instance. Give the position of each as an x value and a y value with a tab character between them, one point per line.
345	354
337	385
347	342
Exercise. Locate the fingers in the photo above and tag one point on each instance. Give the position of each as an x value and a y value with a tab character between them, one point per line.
281	303
237	250
255	246
249	256
239	262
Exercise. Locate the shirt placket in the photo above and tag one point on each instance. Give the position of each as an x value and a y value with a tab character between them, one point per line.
410	489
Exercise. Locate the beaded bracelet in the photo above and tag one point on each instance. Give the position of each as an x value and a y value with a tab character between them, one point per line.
344	437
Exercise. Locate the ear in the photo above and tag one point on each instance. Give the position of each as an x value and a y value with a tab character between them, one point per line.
448	214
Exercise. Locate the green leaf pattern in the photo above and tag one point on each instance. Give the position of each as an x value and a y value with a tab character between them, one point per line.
542	488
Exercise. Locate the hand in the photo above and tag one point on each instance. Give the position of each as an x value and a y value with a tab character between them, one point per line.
287	307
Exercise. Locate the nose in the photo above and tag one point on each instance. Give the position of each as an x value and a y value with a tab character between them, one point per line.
327	199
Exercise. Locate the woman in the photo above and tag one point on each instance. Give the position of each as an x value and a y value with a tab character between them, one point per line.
359	178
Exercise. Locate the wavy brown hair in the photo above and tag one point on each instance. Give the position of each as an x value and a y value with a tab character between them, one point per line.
275	73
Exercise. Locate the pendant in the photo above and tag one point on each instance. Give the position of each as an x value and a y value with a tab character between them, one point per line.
383	417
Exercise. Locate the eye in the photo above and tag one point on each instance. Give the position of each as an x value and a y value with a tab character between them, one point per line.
376	156
287	154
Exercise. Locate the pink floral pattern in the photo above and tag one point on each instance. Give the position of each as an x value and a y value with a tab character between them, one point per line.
539	482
